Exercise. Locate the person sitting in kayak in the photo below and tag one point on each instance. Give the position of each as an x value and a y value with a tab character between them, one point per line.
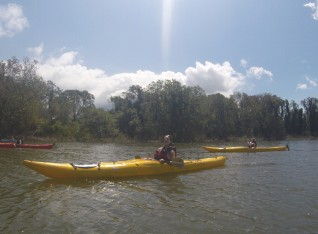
19	141
252	143
166	153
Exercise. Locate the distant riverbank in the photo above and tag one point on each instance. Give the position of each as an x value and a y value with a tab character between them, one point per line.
123	139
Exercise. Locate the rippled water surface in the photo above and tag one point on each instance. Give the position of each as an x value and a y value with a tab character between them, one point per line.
275	192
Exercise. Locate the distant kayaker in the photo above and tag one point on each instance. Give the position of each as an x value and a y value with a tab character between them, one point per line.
252	143
166	153
20	141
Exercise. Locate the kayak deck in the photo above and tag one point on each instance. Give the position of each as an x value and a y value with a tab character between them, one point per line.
120	169
245	149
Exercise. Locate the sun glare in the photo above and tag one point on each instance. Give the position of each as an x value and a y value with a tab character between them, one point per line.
167	7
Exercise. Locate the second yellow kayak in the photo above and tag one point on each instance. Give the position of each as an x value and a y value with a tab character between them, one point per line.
244	149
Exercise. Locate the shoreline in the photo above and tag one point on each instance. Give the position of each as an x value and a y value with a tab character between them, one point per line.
32	139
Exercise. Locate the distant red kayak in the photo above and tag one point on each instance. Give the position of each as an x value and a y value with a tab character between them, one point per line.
7	145
26	146
34	146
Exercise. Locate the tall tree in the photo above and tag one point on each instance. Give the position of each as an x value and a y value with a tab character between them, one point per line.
51	100
311	109
128	110
248	107
98	124
21	97
221	116
270	117
74	102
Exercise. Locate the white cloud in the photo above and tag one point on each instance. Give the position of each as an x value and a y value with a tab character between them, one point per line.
65	59
215	78
68	73
243	63
301	86
12	20
313	6
259	73
36	52
96	81
312	82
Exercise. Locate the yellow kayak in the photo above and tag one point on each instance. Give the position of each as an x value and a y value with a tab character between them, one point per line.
119	169
244	149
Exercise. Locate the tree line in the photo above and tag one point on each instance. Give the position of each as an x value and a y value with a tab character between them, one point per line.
30	106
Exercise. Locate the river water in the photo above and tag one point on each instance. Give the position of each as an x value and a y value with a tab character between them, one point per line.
275	192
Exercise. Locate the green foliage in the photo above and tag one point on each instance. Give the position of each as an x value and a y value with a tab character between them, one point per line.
30	106
311	108
221	116
99	123
21	96
187	113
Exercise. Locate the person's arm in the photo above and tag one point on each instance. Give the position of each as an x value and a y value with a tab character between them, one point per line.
172	154
156	155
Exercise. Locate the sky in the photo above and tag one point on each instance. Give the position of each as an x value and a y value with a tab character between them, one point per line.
223	46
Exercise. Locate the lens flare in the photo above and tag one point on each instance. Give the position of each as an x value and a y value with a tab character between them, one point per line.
166	29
